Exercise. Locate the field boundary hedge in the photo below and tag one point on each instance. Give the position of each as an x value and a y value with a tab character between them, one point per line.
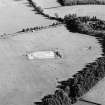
78	2
38	28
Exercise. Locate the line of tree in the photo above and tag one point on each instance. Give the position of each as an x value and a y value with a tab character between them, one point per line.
37	28
61	2
80	2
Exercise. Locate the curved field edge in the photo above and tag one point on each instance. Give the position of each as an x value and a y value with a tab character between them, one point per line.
80	2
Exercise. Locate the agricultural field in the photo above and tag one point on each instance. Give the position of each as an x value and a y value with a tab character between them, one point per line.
16	16
24	81
79	10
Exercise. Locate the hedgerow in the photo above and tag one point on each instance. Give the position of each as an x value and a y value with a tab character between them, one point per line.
80	2
37	28
61	2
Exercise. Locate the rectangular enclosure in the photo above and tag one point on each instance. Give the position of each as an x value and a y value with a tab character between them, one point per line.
41	55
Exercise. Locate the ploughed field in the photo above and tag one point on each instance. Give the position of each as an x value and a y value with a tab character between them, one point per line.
24	81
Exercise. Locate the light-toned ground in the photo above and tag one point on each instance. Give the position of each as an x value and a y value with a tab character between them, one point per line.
23	81
82	1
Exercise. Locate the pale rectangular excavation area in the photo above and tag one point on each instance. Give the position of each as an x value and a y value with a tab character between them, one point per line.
41	55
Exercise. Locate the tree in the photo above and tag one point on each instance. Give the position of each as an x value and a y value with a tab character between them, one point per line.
62	2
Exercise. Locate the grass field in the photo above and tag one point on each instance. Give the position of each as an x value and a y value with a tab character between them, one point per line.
80	10
16	16
24	81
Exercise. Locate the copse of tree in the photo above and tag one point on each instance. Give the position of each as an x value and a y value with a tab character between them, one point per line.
85	25
58	98
61	2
